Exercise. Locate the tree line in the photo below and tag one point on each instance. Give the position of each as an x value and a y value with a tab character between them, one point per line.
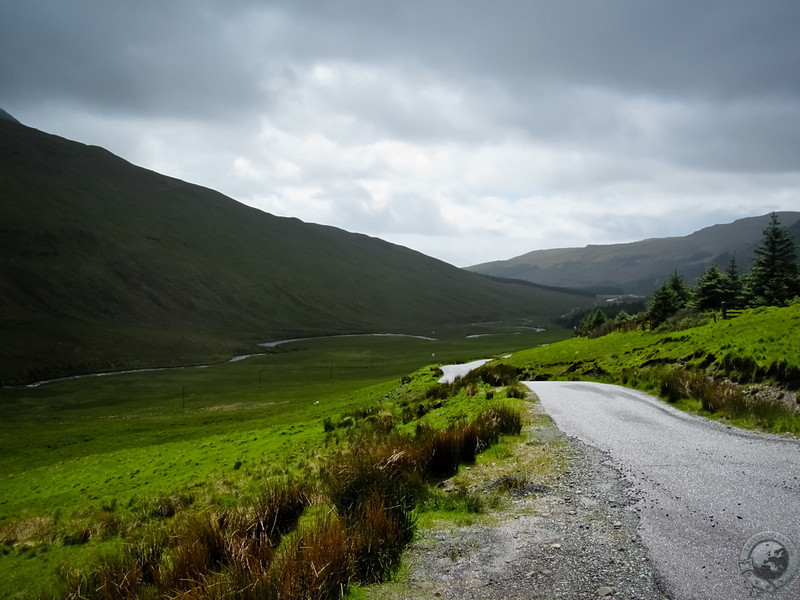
772	280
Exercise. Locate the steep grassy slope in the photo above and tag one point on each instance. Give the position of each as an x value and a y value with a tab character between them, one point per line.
104	265
639	267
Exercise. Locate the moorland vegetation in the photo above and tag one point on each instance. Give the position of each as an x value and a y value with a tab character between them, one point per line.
296	522
107	482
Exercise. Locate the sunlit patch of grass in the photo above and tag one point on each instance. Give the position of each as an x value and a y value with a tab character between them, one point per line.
264	547
128	456
709	363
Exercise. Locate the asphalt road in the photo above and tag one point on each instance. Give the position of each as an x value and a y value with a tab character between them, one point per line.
702	489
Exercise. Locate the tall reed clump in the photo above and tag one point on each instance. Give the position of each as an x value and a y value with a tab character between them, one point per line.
726	398
714	395
439	453
185	557
375	486
314	562
268	548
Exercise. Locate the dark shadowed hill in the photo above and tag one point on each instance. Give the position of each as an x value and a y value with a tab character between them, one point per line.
639	267
4	116
106	265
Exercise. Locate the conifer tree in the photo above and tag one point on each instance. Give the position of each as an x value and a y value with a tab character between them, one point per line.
711	289
682	292
662	306
774	277
734	292
590	321
668	299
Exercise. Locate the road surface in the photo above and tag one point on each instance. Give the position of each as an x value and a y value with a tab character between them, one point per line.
451	372
703	489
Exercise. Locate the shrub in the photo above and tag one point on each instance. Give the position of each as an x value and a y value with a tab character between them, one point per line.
713	395
727	398
377	535
122	575
262	549
517	390
79	534
440	391
198	546
113	577
165	506
34	529
276	509
497	374
181	560
315	563
446	450
502	418
672	386
388	467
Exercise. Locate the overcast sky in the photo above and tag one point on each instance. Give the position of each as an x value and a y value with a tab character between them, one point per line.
470	131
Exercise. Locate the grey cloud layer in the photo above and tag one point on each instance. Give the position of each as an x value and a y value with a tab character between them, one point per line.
427	121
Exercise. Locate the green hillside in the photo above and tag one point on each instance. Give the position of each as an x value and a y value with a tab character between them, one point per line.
105	265
746	369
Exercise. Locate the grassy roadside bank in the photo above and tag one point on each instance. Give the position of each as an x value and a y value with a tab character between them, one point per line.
516	467
83	459
744	371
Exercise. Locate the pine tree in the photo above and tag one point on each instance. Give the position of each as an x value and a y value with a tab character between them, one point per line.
734	292
774	277
663	305
590	321
682	292
710	290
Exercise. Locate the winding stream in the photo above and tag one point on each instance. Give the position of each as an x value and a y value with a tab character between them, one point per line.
234	359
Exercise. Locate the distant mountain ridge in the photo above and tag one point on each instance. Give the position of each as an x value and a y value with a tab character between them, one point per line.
639	267
105	265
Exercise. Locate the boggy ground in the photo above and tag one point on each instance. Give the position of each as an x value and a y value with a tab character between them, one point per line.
568	532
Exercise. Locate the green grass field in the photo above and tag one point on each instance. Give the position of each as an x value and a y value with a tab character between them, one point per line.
97	451
75	449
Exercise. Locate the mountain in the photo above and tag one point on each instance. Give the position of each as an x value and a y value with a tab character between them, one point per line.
4	116
639	267
105	265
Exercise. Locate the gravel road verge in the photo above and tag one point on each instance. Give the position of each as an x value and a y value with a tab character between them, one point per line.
573	538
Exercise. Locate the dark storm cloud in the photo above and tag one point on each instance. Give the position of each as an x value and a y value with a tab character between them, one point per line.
673	48
154	53
140	57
